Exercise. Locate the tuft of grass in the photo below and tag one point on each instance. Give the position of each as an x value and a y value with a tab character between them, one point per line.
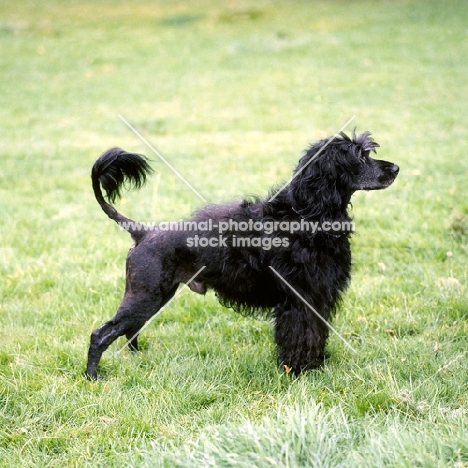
459	222
307	435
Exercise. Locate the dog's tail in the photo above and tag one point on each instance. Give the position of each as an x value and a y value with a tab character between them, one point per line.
115	169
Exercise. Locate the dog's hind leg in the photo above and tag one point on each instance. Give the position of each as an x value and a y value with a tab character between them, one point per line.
131	316
133	332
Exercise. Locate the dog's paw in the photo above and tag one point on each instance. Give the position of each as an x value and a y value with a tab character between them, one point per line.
92	376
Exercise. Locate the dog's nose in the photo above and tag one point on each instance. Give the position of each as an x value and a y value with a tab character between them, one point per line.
395	169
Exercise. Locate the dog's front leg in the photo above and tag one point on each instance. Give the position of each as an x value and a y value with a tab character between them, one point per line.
300	337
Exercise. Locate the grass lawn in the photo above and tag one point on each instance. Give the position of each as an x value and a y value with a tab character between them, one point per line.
230	93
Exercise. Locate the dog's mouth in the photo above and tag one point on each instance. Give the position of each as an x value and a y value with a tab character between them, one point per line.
386	179
382	185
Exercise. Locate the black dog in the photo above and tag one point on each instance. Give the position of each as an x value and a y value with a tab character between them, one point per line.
288	254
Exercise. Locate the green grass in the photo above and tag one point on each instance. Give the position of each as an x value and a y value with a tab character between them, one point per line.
231	93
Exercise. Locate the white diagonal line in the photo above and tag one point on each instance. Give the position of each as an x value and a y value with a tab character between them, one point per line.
439	370
311	159
313	310
164	306
156	152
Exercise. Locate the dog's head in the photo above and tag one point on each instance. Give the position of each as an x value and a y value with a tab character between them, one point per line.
332	170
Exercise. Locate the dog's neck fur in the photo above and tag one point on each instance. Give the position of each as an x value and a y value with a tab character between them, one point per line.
328	233
329	213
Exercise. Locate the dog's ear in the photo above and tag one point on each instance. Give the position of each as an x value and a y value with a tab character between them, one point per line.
314	189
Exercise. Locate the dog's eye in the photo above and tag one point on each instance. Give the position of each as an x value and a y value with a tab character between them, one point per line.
364	155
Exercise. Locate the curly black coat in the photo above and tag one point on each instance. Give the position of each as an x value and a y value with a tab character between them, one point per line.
297	275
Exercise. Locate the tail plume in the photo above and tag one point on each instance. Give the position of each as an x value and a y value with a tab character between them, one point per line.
116	169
